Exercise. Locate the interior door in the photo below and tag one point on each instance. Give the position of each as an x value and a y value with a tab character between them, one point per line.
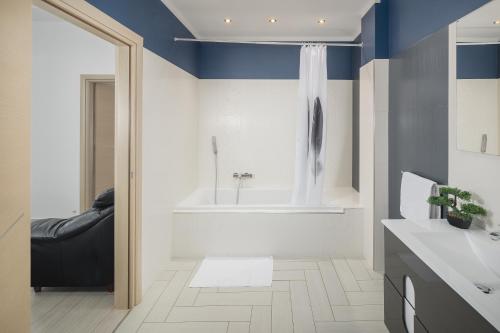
104	136
15	149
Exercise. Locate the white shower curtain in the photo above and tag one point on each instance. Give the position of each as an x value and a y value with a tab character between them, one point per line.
311	126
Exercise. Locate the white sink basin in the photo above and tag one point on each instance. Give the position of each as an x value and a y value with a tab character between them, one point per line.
471	253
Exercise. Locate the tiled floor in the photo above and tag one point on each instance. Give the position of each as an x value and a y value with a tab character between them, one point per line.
59	310
320	296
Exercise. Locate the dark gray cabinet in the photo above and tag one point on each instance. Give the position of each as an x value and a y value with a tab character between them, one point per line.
438	308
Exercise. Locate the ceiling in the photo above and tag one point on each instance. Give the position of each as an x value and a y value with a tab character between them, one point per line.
478	26
297	19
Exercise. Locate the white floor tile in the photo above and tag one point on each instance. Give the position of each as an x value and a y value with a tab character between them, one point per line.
210	313
166	275
282	321
358	312
111	321
365	297
168	298
333	287
358	268
183	328
134	319
288	276
320	304
301	308
276	286
181	265
373	275
351	327
187	297
261	319
371	285
209	290
238	327
346	276
245	298
286	265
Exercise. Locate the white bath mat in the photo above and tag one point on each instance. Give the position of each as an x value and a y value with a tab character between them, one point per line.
234	272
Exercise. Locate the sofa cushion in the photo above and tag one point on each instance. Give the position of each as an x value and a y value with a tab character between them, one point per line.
53	229
105	199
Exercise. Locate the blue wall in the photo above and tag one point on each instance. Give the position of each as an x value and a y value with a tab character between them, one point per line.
410	20
158	26
246	61
374	33
478	62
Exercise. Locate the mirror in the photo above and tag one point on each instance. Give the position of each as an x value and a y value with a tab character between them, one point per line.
478	80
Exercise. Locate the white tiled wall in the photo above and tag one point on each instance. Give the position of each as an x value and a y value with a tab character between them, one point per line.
170	117
254	121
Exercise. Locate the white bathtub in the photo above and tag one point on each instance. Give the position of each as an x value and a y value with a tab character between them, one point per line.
265	223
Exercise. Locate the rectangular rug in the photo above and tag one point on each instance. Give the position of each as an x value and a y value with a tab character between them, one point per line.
234	272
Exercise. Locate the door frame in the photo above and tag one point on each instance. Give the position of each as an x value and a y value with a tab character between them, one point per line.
128	139
87	172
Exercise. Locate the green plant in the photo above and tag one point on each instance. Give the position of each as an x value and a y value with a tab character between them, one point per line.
459	201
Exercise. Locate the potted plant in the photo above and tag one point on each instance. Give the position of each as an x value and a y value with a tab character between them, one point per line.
460	202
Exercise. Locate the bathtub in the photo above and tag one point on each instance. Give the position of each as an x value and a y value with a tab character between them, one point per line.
265	223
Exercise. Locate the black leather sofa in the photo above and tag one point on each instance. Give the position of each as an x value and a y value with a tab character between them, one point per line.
75	252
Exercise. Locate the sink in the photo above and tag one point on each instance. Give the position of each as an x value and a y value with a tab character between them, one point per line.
470	253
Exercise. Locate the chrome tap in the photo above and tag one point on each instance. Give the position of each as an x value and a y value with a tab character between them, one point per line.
495	235
240	177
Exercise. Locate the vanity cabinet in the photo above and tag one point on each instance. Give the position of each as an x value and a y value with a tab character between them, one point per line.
438	308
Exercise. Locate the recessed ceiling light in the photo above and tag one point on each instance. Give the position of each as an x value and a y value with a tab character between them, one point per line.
227	20
273	20
496	22
321	21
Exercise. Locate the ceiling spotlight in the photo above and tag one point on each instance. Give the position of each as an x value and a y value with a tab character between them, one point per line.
321	21
496	22
273	20
227	20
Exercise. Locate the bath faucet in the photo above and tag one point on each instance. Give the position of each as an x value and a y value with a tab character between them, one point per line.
245	175
240	177
495	235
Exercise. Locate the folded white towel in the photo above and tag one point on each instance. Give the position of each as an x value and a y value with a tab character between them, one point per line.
415	191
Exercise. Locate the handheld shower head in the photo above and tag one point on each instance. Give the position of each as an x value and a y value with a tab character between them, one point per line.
214	145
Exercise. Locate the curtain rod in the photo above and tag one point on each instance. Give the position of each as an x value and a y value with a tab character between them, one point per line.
478	43
176	39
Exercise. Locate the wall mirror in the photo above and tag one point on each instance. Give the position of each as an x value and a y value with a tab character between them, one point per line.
478	80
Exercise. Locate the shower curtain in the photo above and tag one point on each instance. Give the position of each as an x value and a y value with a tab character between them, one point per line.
311	126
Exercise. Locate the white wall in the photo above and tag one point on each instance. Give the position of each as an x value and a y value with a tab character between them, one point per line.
254	121
478	114
61	53
373	157
170	161
478	173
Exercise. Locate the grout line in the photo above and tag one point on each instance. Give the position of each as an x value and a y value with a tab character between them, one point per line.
157	299
291	305
326	294
179	295
251	317
310	302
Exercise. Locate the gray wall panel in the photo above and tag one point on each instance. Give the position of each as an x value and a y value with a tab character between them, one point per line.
418	114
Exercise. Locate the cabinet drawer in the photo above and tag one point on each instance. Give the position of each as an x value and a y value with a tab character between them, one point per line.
393	308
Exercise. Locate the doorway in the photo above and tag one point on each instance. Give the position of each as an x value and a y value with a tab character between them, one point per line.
97	134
